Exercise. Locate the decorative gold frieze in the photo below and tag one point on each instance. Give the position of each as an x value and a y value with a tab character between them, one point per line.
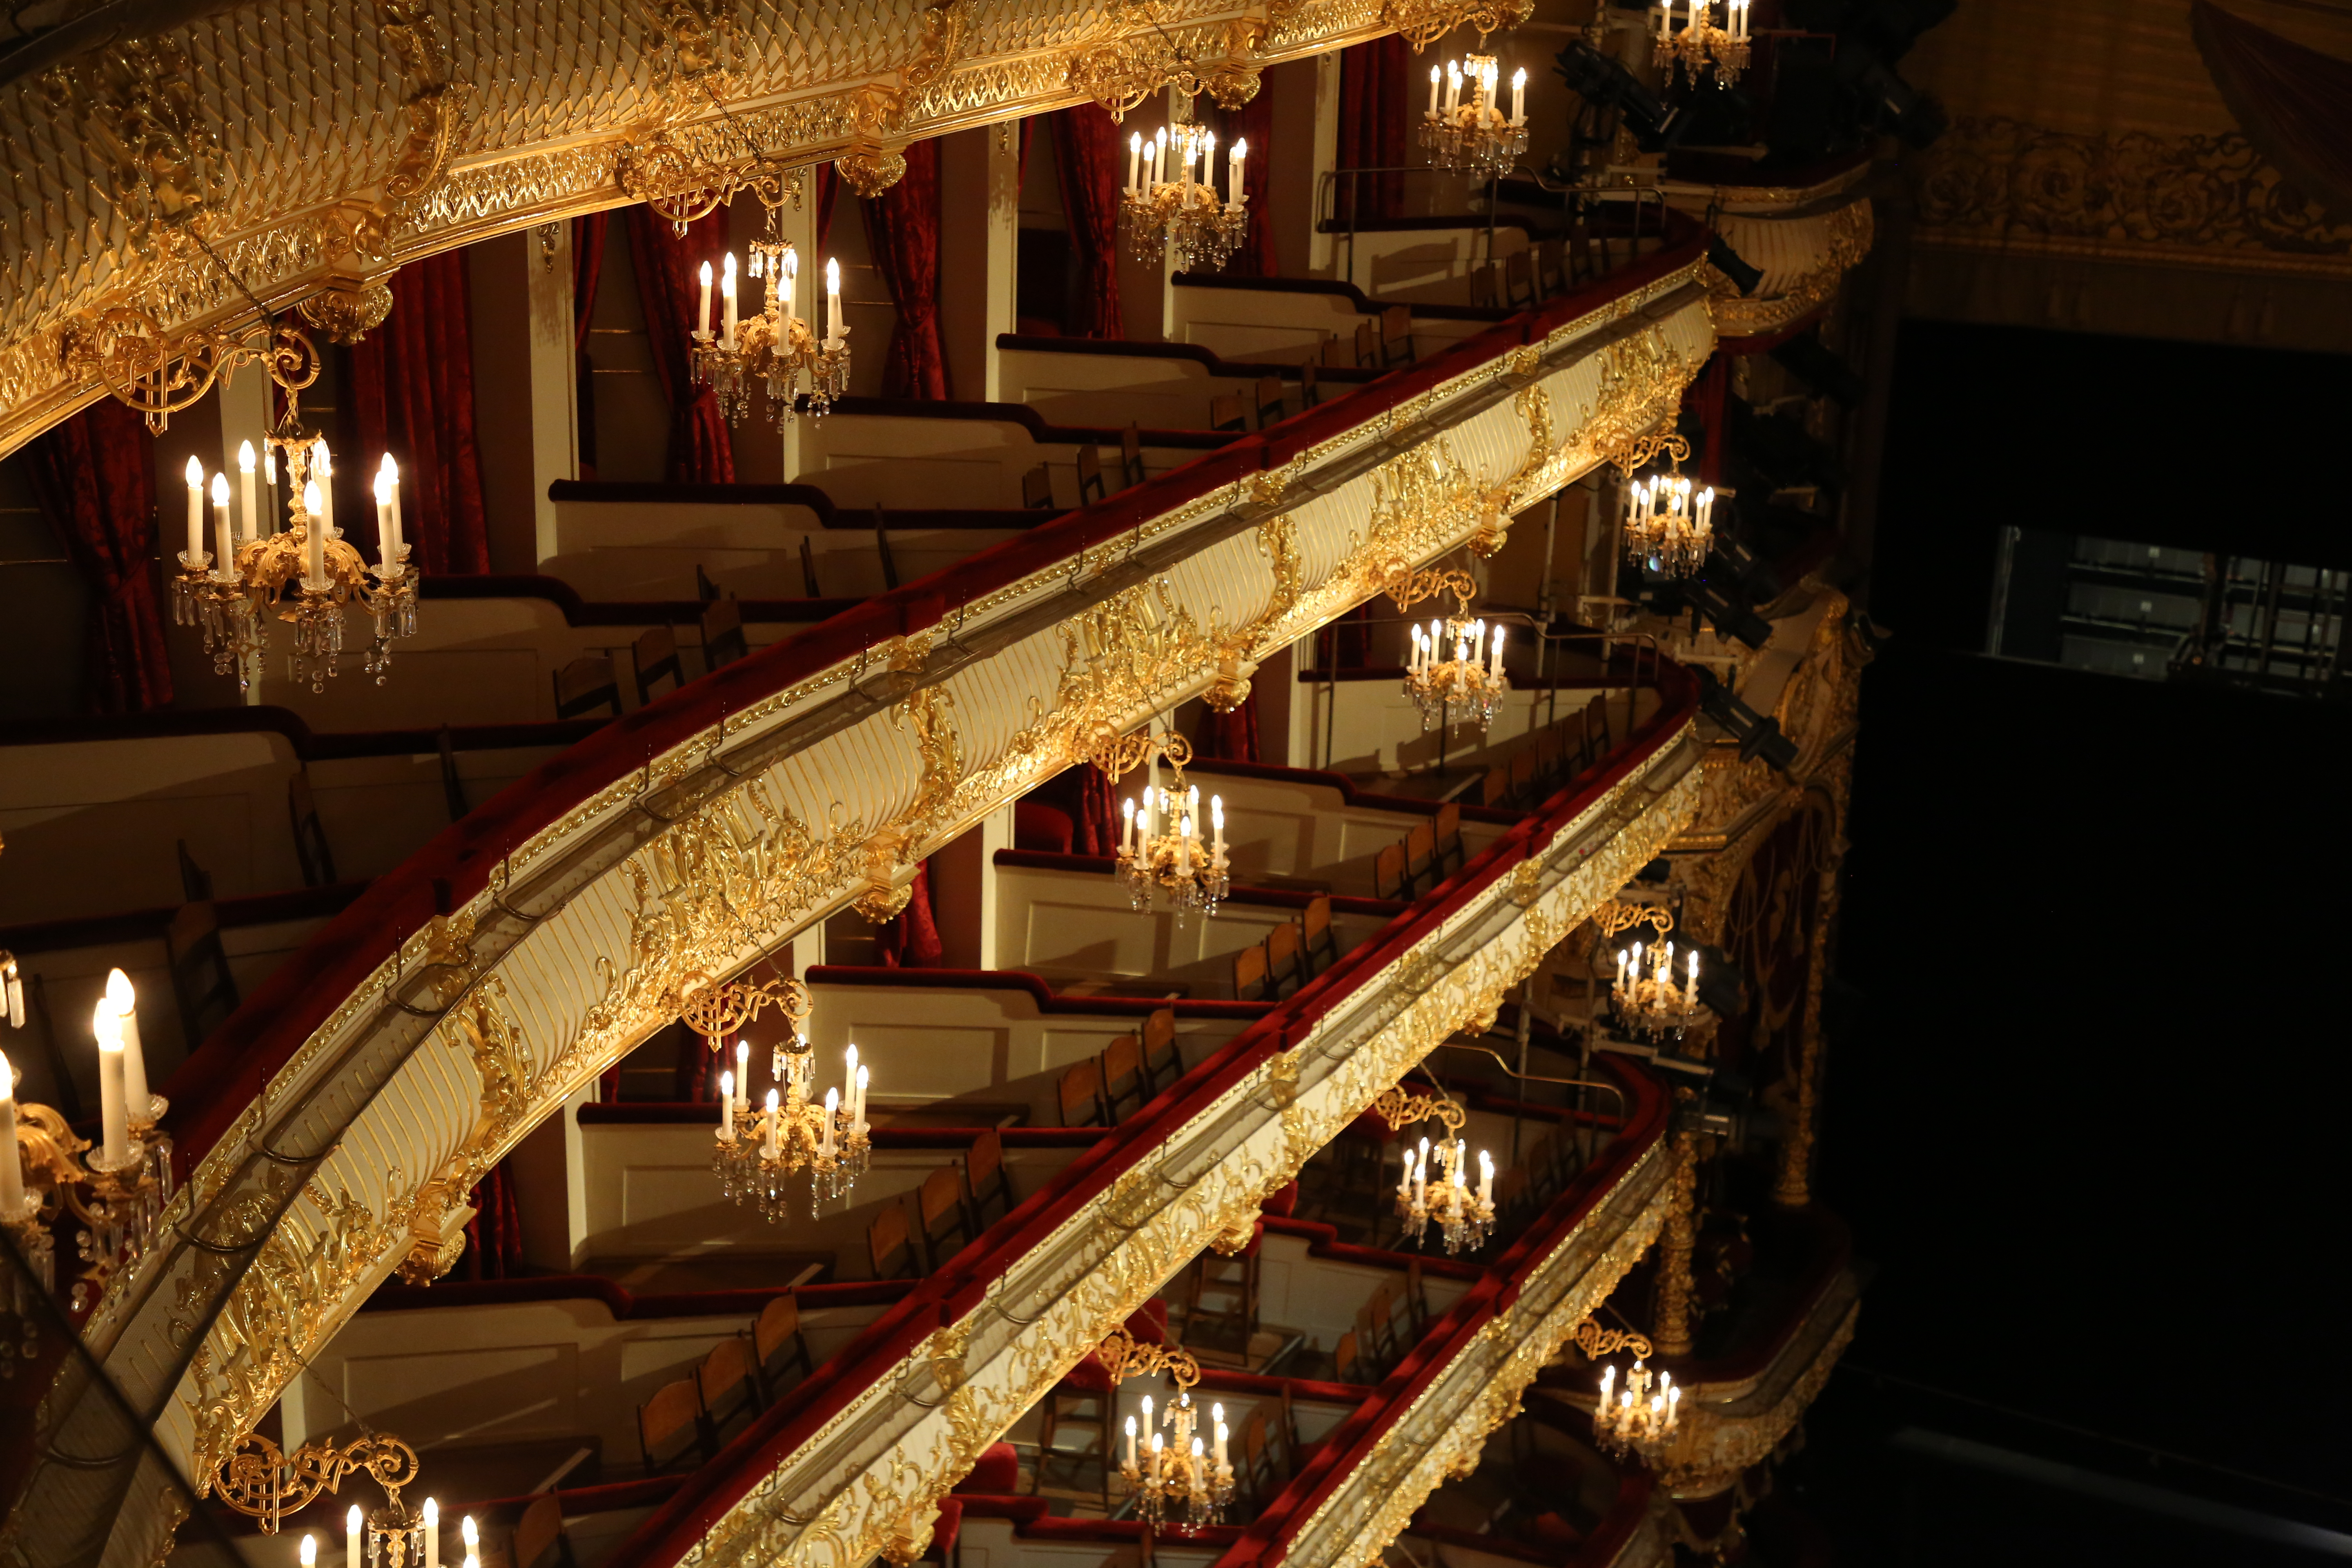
134	100
1845	241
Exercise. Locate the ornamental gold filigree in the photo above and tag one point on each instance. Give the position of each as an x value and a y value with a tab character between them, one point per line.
134	101
348	310
1845	239
1423	22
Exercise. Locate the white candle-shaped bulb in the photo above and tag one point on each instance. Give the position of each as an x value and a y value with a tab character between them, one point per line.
1433	75
1134	159
791	284
391	472
195	509
1234	194
744	1074
1127	832
1217	821
432	1533
727	1105
125	1003
314	545
1497	664
726	304
383	521
322	468
861	1099
1519	96
249	519
12	1173
767	1125
849	1076
309	1551
352	1525
106	1024
832	300
1147	1419
702	316
832	1115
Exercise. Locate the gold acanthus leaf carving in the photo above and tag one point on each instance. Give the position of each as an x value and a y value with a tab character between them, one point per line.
135	103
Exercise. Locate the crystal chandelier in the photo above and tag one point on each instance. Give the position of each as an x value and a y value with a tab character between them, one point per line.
1466	687
776	346
1160	844
1701	43
1172	1467
1649	1006
1167	208
757	1152
1472	135
117	1191
1465	1216
1632	1419
306	573
1667	526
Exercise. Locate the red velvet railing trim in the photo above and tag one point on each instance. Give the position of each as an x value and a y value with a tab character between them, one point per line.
624	1303
1270	898
1048	1000
226	1074
958	1287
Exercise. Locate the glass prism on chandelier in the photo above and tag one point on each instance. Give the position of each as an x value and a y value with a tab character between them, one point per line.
775	348
1170	202
760	1152
1667	526
1454	672
1641	1416
1167	1465
1659	1004
1159	845
1701	43
1471	134
1464	1216
305	574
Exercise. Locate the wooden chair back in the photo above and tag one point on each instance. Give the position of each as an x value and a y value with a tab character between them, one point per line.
1389	872
1310	393
1374	1332
1285	958
1226	412
202	980
453	786
1315	929
1396	336
1368	346
669	1427
725	1383
1163	1062
1347	1361
1124	1086
1447	827
808	571
1270	401
882	549
1551	263
946	1225
777	1342
312	850
1421	856
985	1177
1494	787
1091	487
539	1532
1081	1096
1338	353
655	655
1596	724
1482	288
887	1246
722	632
1037	489
1131	455
587	683
1250	979
1257	1476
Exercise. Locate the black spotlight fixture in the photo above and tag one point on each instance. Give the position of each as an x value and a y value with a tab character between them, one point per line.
1604	79
1732	265
1758	735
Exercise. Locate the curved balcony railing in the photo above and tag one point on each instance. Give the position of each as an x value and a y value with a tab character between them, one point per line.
557	926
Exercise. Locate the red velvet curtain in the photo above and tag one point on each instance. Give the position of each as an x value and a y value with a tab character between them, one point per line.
1231	736
494	1236
911	939
94	480
411	394
669	284
902	227
1375	97
1098	818
1089	164
1254	123
828	190
588	237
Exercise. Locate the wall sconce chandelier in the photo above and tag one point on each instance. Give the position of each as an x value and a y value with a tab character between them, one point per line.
306	573
263	1483
1161	847
1166	206
1667	527
1651	1007
1702	44
1473	135
777	346
1465	1216
117	1191
1454	672
758	1153
1634	1419
1175	1466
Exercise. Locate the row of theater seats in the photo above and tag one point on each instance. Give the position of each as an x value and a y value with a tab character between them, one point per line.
1423	858
1105	1089
591	682
952	1207
688	1420
1292	954
1549	757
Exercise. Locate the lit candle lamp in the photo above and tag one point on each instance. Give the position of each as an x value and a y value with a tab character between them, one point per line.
250	521
1235	193
860	1123
1217	821
352	1522
322	470
1127	832
12	1173
1434	74
832	1111
702	316
106	1024
314	552
744	1075
1519	96
726	304
138	1105
832	303
432	1533
1134	162
1131	1442
726	1106
309	1552
792	285
768	1126
397	545
196	510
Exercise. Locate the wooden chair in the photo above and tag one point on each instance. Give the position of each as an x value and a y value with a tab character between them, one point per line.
1596	725
195	882
705	590
1085	1401
1494	787
887	1246
1368	346
1523	776
1091	475
1225	413
453	787
539	1535
1482	289
729	1392
1257	1479
722	633
1389	878
1285	958
882	550
1124	1089
1163	1061
1338	353
1551	758
986	1181
655	654
808	570
1375	1328
1037	489
1310	392
1322	947
1221	1300
1520	279
1271	409
1347	1361
778	1346
586	684
312	850
1396	336
670	1428
201	977
1131	455
1251	981
1081	1096
946	1224
1447	827
1421	857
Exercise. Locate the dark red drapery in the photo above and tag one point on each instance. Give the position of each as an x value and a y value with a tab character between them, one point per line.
1375	97
1254	123
588	237
2294	103
911	939
1089	164
669	284
94	478
828	191
411	394
494	1236
902	227
1231	736
1097	817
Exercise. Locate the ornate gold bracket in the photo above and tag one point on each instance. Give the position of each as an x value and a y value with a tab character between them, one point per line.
1423	22
715	1012
1400	1109
1125	1356
1119	755
1613	917
1596	1341
128	353
1410	588
262	1482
